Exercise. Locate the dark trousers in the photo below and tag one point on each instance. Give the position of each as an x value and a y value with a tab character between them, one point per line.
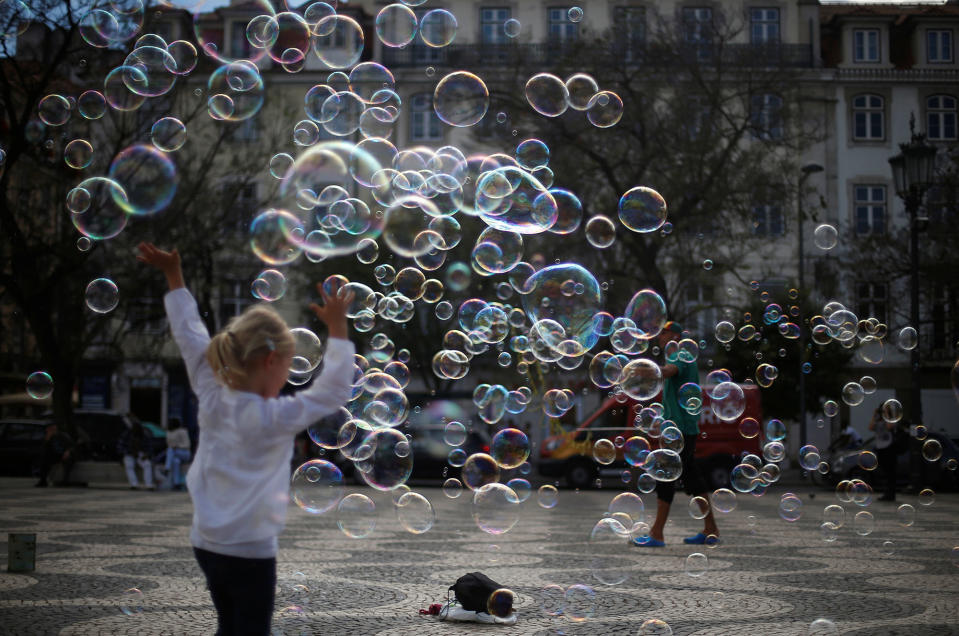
887	464
692	479
51	458
242	591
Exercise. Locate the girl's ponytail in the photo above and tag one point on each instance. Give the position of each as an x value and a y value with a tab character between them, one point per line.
254	333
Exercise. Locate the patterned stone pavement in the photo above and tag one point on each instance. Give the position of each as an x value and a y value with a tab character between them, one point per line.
767	577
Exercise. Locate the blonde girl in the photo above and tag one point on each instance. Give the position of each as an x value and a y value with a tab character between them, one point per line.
239	478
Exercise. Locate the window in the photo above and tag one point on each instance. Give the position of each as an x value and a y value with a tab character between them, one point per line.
765	114
768	220
239	46
558	26
492	20
698	30
629	28
699	115
764	26
871	299
870	209
239	204
945	321
235	296
938	47
424	124
941	117
867	118
865	45
701	310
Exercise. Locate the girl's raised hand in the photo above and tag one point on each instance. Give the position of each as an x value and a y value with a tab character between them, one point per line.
166	262
333	311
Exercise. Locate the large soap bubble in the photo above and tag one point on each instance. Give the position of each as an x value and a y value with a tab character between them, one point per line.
642	209
575	312
148	178
385	468
495	508
317	486
648	311
461	99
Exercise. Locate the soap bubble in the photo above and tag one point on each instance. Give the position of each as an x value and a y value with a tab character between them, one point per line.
547	94
728	401
356	516
102	295
724	500
908	338
131	602
168	134
495	508
604	451
500	603
931	450
479	470
39	385
307	350
438	28
316	486
78	154
697	564
338	41
452	488
600	231
510	447
608	541
460	99
415	513
864	523
581	88
396	25
647	310
605	109
663	465
825	236
579	603
655	627
822	627
269	285
512	27
547	496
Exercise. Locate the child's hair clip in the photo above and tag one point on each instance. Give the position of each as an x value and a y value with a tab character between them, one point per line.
270	345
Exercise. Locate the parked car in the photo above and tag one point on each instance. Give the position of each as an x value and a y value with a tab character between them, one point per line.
846	465
431	452
21	446
569	454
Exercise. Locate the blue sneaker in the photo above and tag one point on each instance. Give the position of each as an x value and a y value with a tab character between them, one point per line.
701	539
648	542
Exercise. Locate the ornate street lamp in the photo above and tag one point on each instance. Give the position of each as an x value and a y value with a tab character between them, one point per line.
912	170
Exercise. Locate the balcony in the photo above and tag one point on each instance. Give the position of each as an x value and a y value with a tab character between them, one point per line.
509	54
934	75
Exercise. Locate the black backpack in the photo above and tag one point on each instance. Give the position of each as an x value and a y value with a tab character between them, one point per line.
473	591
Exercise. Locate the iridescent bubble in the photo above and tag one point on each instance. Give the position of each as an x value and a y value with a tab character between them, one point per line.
809	457
581	88
608	540
78	154
728	401
697	564
338	41
635	450
460	99
926	497
853	394
54	110
500	603
102	295
496	508
864	523
238	91
604	451
307	350
906	515
822	627
269	285
605	109
131	602
452	488
148	178
547	94
92	104
579	603
316	486
547	496
825	236
748	427
39	385
663	465
356	516
600	231
641	379
438	28
396	25
724	500
790	507
479	470
647	310
932	450
512	27
908	338
168	134
509	448
273	237
415	513
521	487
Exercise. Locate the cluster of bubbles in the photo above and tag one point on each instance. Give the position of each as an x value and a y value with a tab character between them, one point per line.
348	190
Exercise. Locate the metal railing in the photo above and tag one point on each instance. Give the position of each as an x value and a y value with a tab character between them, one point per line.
485	55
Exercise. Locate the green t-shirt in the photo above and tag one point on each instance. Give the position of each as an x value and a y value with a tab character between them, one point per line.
688	372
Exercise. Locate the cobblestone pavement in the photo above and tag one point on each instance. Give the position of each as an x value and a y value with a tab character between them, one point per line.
766	577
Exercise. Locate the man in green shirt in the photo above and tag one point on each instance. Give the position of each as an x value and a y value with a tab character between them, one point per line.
675	375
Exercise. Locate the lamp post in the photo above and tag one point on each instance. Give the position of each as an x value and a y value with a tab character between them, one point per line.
912	170
806	170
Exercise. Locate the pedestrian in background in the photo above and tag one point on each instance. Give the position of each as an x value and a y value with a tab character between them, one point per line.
136	447
239	480
57	449
177	452
675	375
885	452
